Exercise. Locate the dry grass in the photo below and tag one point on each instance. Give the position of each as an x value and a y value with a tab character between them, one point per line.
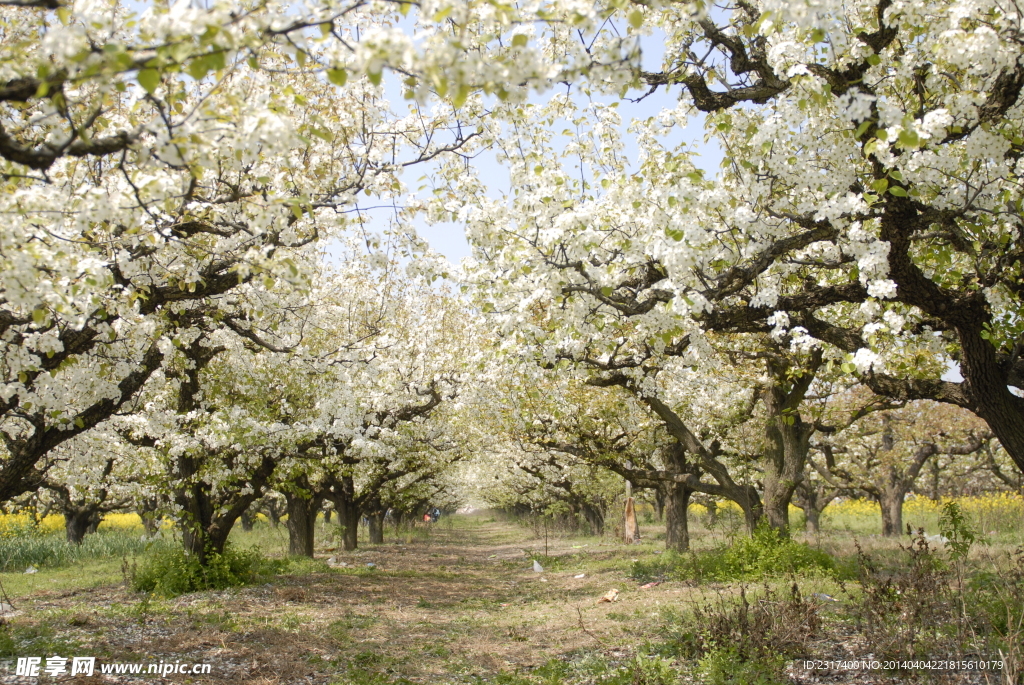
460	605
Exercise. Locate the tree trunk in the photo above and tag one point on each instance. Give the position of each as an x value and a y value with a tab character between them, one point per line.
631	529
594	518
677	524
196	522
787	440
342	495
676	497
891	502
147	512
79	521
273	513
151	524
659	504
203	530
247	519
753	510
302	511
205	521
712	508
812	498
376	527
812	520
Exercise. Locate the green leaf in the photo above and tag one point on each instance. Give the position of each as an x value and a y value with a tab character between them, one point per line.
874	60
199	68
375	77
897	191
461	95
862	129
848	367
636	18
39	316
217	60
338	77
909	138
520	40
149	79
607	291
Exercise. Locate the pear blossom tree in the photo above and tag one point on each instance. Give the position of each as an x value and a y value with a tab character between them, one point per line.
868	201
152	165
883	455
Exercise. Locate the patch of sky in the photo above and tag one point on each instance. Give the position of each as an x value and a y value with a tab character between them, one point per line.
449	238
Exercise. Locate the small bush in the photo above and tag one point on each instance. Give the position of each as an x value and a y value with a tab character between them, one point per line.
169	573
910	610
767	552
747	642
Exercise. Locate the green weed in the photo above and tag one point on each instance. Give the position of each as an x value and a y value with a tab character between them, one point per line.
172	572
52	550
765	553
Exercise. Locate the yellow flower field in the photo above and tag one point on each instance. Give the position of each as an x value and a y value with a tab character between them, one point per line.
14	525
1001	512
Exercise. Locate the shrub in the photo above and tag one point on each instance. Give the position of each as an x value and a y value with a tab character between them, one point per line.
747	642
169	573
767	552
909	610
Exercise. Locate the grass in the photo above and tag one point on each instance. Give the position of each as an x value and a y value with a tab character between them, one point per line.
54	551
85	576
460	603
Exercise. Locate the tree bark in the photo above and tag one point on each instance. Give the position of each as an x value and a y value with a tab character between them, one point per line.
891	502
302	507
247	519
376	527
676	496
787	437
79	521
659	504
342	495
677	523
594	517
812	498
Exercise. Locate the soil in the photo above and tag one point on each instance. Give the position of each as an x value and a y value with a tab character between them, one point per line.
455	604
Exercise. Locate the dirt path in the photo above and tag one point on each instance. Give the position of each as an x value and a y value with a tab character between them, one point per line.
458	606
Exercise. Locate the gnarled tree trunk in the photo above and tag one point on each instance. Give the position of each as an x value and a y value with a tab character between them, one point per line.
342	496
79	521
594	517
303	503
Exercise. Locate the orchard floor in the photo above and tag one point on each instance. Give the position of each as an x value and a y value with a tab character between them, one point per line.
459	603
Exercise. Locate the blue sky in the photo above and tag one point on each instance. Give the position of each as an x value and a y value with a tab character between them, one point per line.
449	239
